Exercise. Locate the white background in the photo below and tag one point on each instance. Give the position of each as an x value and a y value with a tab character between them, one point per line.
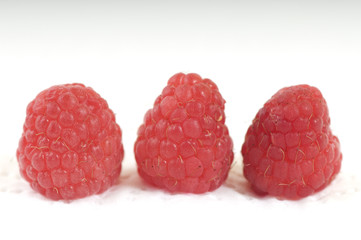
126	51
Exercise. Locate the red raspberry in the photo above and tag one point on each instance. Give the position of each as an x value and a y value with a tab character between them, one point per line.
289	150
183	144
71	146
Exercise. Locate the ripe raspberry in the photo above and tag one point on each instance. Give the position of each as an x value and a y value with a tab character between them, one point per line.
71	146
289	150
183	144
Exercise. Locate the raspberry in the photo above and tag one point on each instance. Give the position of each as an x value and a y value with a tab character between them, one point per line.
183	144
289	150
71	146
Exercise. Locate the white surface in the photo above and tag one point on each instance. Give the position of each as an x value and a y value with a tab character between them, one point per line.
127	52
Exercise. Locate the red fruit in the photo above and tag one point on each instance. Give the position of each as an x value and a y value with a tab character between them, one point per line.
71	146
183	144
289	150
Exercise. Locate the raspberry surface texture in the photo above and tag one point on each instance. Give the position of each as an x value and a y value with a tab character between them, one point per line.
289	150
71	146
183	144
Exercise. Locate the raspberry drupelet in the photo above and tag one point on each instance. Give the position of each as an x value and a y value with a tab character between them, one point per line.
183	144
71	146
289	149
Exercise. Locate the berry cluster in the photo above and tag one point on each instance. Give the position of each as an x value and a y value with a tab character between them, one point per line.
71	146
